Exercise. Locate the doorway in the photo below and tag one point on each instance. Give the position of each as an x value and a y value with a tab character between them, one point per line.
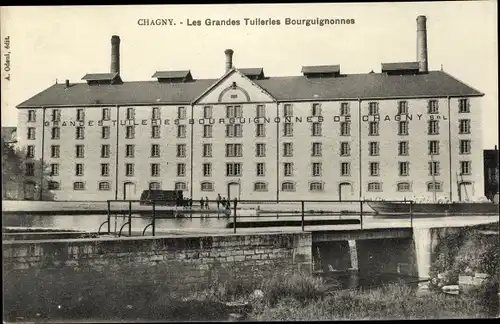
128	190
465	191
233	190
29	190
345	191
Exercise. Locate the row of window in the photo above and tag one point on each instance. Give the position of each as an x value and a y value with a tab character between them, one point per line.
235	169
236	130
237	111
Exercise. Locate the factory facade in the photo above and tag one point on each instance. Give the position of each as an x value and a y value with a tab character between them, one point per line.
402	133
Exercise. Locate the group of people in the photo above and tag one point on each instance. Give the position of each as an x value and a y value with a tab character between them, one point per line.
222	202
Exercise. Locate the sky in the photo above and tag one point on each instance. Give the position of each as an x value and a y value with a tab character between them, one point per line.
58	43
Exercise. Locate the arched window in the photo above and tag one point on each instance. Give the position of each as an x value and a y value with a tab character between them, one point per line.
260	186
288	186
434	186
54	185
154	185
104	186
207	186
374	186
316	186
79	185
404	186
180	186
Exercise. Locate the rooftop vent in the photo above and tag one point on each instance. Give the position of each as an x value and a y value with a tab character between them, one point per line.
173	76
102	78
253	73
321	71
401	68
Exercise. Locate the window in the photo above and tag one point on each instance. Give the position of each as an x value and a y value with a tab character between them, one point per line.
434	168
56	115
465	146
432	107
234	150
434	186
238	111
464	126
374	148
180	186
181	169
261	169
31	116
105	151
55	151
233	169
155	150
30	151
260	130
234	111
105	114
31	133
373	129
287	129
403	148
30	169
316	186
79	169
207	150
345	168
207	131
155	113
155	169
288	186
260	186
404	169
105	132
129	169
465	167
80	151
316	129
260	149
287	149
316	109
235	130
433	147
181	113
261	111
403	108
374	168
181	131
373	109
288	110
104	186
344	109
181	150
403	186
78	185
104	170
433	127
345	129
207	112
288	169
155	131
463	106
345	149
55	133
207	186
80	132
130	114
207	169
54	185
80	114
316	169
154	185
316	149
374	186
130	132
54	170
129	150
403	128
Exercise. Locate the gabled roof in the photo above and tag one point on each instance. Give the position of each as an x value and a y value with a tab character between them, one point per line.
100	76
400	66
172	74
252	71
320	69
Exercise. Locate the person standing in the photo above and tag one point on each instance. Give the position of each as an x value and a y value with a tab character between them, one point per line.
202	203
219	198
206	203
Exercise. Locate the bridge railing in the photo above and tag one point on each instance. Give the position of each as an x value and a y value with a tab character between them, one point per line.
245	213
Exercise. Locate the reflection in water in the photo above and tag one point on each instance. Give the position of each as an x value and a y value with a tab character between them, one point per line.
355	280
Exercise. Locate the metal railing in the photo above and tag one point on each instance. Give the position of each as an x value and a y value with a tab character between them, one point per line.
295	208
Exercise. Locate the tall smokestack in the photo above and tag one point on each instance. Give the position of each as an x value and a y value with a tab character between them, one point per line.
115	54
229	59
422	43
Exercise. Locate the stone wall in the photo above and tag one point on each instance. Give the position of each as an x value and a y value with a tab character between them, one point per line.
84	275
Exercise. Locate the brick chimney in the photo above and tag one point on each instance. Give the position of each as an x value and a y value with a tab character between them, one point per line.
422	43
229	59
115	54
